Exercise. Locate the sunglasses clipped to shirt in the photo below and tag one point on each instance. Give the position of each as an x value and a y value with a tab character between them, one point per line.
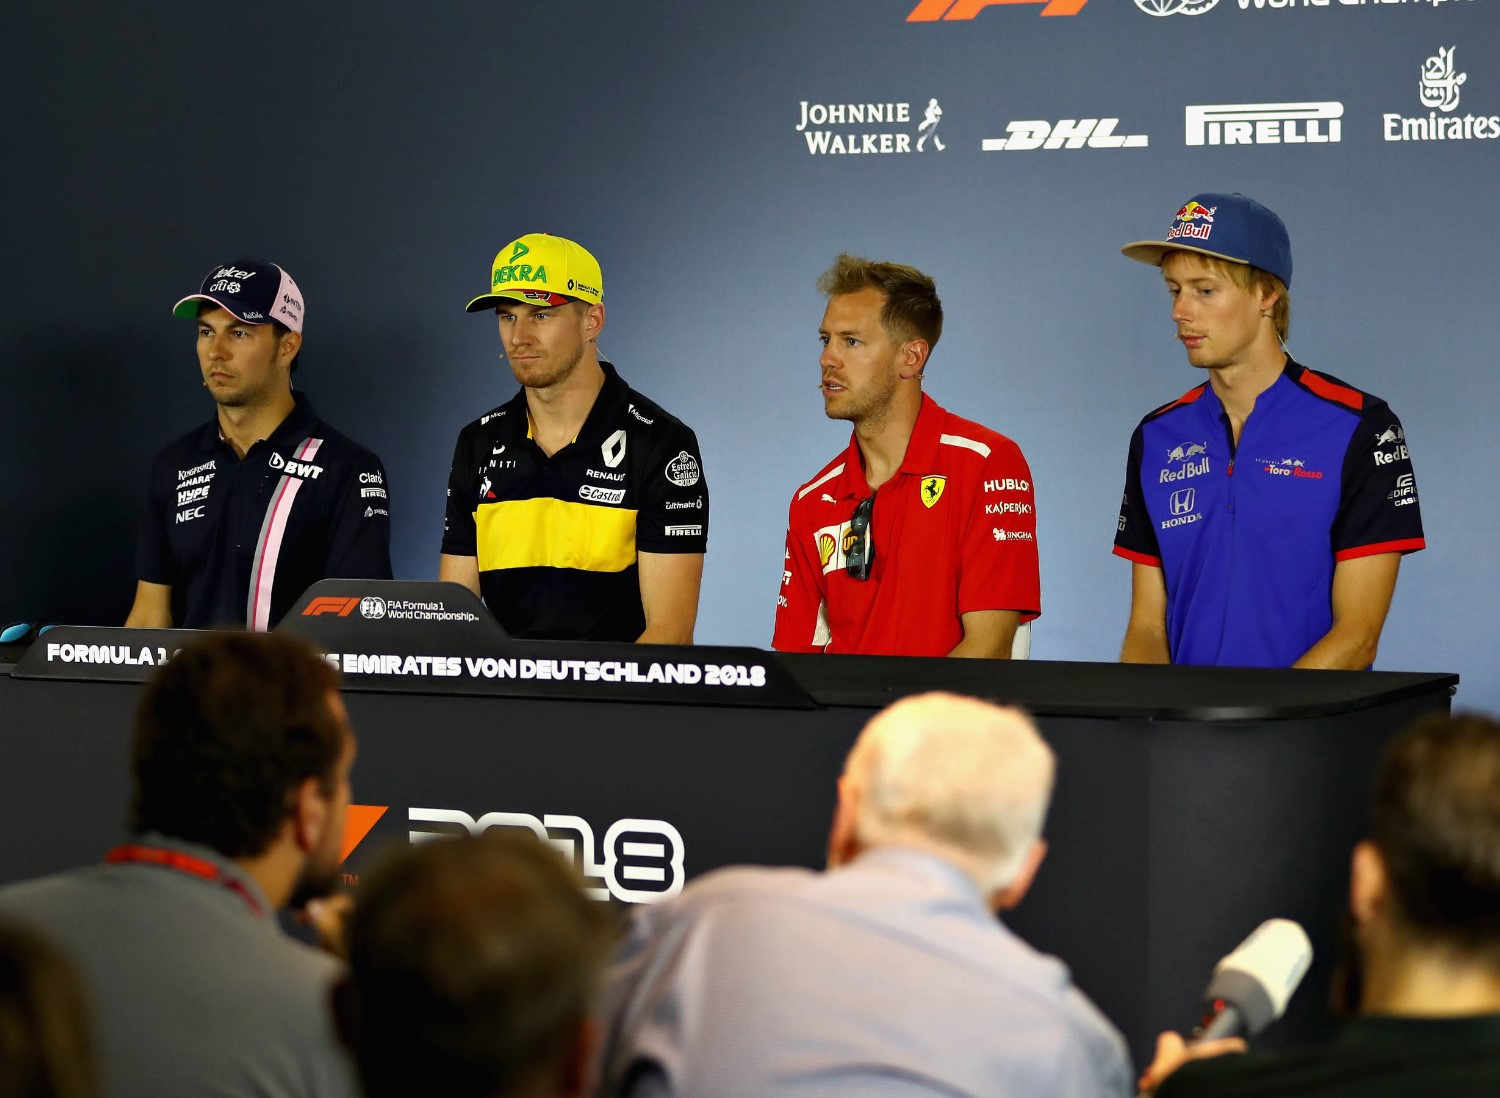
859	554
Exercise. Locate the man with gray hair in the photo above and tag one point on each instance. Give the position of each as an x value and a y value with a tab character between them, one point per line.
888	974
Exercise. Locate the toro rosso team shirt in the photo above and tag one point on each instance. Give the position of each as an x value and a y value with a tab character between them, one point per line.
1248	536
238	541
556	538
954	532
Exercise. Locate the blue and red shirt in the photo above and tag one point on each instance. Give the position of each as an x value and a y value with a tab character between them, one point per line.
1247	535
239	540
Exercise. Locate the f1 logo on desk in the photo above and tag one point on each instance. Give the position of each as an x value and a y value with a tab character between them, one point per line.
636	851
929	11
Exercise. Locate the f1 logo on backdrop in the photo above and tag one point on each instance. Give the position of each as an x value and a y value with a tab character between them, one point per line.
636	852
930	11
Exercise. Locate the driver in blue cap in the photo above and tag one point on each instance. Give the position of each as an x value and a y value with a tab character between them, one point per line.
1267	509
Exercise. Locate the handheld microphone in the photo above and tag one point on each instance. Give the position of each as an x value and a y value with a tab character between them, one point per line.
1252	985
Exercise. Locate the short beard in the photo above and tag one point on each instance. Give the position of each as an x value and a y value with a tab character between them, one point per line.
315	882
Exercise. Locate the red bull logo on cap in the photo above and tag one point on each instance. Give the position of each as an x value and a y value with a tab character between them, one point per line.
1193	220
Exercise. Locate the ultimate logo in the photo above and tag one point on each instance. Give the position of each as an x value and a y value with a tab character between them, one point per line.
522	272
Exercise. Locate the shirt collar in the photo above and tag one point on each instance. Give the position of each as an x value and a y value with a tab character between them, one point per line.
297	425
921	451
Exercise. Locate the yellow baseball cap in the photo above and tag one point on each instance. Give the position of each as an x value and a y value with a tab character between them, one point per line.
541	269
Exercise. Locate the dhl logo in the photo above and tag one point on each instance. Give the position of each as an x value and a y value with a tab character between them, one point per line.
330	604
930	11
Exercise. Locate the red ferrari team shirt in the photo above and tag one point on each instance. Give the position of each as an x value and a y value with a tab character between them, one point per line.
954	532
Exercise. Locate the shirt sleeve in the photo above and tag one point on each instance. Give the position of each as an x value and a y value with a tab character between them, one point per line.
1135	537
672	504
1378	509
359	525
800	622
154	562
998	566
460	535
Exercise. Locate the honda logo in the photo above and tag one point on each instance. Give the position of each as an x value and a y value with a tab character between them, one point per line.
1182	500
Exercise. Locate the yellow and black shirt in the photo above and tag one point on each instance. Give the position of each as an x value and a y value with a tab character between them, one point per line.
556	538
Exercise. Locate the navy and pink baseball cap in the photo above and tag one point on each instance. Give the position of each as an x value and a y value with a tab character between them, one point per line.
252	290
1225	226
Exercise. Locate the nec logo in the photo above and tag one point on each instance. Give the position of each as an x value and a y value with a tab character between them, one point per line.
929	11
330	604
644	851
1183	500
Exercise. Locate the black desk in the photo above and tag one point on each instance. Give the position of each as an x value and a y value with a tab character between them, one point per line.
1191	803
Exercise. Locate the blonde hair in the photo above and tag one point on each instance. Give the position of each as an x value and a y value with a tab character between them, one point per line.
958	776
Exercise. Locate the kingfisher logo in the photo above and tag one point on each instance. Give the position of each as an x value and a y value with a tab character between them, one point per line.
930	11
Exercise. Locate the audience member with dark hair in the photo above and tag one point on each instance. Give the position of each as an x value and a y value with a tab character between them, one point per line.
472	966
241	766
1423	972
46	1048
889	974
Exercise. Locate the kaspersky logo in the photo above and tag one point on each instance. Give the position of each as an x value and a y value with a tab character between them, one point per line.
518	272
930	11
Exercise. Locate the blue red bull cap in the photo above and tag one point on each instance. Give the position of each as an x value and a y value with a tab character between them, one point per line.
1225	226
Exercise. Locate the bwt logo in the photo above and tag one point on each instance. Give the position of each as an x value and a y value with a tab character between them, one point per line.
929	11
644	852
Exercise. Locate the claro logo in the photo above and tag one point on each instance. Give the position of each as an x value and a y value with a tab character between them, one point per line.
645	853
930	11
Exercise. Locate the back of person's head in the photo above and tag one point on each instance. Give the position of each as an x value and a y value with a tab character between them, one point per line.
224	735
955	776
1437	828
46	1047
472	966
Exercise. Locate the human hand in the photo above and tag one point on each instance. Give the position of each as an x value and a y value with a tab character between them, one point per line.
1172	1052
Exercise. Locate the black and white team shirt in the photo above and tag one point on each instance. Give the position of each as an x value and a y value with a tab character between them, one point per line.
239	540
556	538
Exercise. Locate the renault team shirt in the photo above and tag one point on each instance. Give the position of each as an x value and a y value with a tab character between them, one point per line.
1247	537
556	538
954	532
239	540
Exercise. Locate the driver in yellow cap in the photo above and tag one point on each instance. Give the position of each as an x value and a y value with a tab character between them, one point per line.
578	508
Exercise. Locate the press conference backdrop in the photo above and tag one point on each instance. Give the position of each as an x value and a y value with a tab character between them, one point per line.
716	157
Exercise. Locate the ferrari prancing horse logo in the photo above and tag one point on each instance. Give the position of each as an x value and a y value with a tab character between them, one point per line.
932	489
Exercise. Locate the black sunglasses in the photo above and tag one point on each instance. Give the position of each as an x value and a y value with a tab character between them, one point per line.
859	548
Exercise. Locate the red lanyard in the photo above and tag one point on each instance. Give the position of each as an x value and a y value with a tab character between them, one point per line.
179	862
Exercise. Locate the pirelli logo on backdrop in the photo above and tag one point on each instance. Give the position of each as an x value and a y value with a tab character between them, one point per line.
930	11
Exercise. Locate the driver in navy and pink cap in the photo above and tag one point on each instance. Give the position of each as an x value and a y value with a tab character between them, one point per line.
1266	510
243	514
